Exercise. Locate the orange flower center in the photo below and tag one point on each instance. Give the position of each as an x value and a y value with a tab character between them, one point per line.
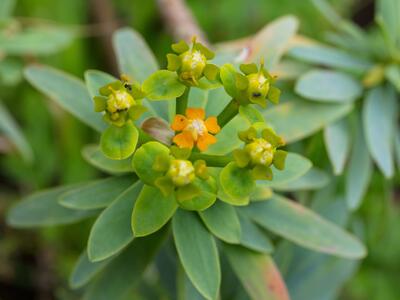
196	127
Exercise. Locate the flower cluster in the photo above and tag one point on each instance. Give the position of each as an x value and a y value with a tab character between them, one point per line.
179	164
191	63
259	153
120	100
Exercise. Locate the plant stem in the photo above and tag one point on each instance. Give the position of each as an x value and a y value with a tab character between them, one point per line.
229	112
212	160
182	102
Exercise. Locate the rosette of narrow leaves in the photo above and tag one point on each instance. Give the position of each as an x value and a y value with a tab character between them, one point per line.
121	104
253	162
170	170
253	86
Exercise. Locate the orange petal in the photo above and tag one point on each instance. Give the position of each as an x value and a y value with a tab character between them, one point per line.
184	140
212	125
195	113
205	140
179	123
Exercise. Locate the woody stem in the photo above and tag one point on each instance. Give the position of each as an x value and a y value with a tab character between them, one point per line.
229	112
182	102
212	160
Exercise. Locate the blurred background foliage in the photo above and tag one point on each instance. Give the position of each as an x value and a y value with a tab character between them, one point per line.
36	265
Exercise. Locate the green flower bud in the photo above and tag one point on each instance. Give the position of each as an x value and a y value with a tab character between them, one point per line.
260	151
191	63
181	172
119	100
258	88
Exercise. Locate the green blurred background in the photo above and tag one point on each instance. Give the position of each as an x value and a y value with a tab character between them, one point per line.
36	264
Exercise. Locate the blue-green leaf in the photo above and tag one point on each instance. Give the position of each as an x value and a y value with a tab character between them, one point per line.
329	57
112	230
121	275
85	270
11	130
43	209
96	194
95	79
95	157
379	120
221	220
197	252
305	117
303	227
337	143
359	171
328	86
69	92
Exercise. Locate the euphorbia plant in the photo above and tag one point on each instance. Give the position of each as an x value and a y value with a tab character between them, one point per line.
208	168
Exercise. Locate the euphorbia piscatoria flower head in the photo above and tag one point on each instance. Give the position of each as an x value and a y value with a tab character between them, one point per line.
121	102
191	62
194	129
259	153
253	85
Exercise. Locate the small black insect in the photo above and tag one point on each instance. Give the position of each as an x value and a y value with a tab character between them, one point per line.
256	95
128	86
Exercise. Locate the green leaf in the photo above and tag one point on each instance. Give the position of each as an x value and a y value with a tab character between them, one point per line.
303	227
337	143
228	78
134	57
152	211
227	138
397	147
197	252
329	57
257	273
95	79
272	41
119	142
388	17
97	194
295	167
251	114
85	270
379	120
136	60
11	130
185	289
35	40
314	179
222	221
67	91
42	209
392	73
95	157
125	271
206	197
305	118
237	183
112	230
253	237
328	86
144	159
163	85
359	171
